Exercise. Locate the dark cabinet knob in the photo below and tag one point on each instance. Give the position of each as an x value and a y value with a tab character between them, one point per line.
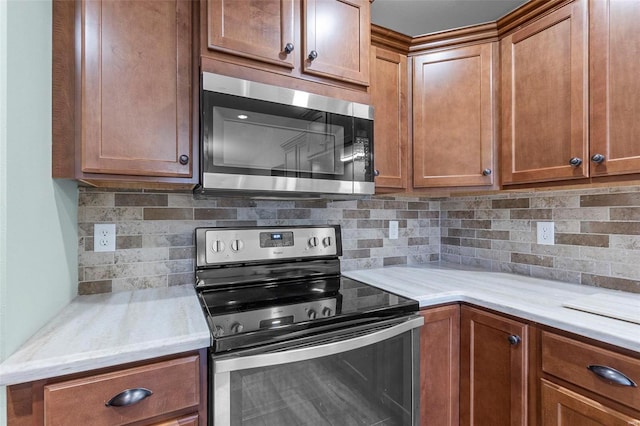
313	55
514	339
486	172
575	162
376	172
288	48
597	158
184	159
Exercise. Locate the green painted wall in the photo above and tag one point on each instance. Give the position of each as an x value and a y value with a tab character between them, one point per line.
38	216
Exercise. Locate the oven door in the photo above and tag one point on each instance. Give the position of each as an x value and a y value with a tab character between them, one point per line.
366	375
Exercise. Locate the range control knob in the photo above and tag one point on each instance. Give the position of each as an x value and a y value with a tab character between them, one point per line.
237	245
217	246
312	314
326	241
218	331
313	242
326	311
237	328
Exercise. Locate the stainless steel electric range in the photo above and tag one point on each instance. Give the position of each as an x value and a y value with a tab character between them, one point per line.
295	343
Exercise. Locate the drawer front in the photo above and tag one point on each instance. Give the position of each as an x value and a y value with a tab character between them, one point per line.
569	360
174	385
191	420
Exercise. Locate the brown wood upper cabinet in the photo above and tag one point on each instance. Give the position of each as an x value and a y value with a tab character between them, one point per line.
545	98
389	86
453	117
614	87
570	96
126	115
325	38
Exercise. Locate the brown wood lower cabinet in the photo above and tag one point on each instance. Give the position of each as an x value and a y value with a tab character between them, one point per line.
191	420
562	407
440	365
172	393
493	369
578	389
480	368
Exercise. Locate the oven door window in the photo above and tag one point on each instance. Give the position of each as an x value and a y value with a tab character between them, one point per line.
255	137
369	385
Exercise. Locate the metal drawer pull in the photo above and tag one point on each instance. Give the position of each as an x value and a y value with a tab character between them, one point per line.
129	397
611	375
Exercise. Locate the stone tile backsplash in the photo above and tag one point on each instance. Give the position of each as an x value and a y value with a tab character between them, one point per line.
154	232
597	233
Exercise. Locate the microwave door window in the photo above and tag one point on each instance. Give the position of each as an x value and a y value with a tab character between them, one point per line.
248	142
290	141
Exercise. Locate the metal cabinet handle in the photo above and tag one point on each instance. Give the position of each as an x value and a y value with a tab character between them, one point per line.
486	172
129	397
313	55
514	339
597	158
184	159
376	172
575	162
288	48
611	375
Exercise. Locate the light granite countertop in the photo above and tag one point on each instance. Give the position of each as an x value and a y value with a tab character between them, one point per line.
110	329
105	330
533	299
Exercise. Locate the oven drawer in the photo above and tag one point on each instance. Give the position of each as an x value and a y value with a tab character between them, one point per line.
585	365
173	385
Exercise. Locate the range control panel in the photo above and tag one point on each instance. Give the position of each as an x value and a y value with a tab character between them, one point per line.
216	246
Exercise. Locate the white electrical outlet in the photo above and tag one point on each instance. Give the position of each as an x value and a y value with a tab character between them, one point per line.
393	229
104	237
546	233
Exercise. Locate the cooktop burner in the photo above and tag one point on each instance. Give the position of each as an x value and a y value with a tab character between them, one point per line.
262	285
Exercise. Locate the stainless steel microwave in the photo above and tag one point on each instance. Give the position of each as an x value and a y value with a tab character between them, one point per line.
264	140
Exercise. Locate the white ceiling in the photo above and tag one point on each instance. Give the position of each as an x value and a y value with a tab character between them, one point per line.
418	17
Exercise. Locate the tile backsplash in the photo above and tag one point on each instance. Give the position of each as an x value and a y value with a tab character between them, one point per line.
154	232
597	233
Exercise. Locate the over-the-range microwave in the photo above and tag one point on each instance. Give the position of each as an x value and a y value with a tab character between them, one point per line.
269	141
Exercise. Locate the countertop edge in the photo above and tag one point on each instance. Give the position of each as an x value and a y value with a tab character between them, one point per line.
62	366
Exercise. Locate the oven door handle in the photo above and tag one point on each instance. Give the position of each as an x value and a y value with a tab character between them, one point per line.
315	351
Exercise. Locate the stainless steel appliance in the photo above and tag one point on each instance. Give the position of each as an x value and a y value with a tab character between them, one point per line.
266	140
295	343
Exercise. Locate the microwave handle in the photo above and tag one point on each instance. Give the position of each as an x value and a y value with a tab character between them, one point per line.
312	352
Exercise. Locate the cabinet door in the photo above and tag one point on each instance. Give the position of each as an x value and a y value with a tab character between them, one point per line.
389	98
562	407
339	33
136	87
255	29
544	98
453	117
615	87
493	370
440	366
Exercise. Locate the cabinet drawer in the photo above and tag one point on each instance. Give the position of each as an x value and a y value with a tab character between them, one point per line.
569	360
174	385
